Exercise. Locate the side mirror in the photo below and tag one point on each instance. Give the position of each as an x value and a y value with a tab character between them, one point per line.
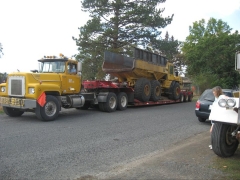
237	62
79	67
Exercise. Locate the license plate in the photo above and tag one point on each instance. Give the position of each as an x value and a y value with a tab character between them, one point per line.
12	101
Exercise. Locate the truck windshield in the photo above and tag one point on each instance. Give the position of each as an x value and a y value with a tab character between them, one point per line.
52	67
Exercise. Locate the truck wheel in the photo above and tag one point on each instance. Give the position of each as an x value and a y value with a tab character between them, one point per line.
111	104
201	119
223	143
12	112
86	105
101	106
50	110
142	89
175	92
155	90
122	101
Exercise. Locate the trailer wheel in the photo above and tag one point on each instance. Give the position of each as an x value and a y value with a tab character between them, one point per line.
142	89
181	97
50	110
12	112
111	104
223	143
122	101
190	96
176	91
185	98
155	90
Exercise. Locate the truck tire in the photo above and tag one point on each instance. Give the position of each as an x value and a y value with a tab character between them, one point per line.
122	101
50	110
142	90
155	90
175	92
111	104
101	106
223	143
12	112
86	105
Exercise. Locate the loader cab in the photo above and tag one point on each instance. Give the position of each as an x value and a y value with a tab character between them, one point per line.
170	69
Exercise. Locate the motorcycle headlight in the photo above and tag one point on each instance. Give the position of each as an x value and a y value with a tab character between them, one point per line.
222	102
31	90
231	102
3	89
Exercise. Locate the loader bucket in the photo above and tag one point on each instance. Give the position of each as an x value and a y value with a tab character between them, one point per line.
117	63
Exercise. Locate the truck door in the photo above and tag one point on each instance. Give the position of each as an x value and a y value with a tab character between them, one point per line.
71	82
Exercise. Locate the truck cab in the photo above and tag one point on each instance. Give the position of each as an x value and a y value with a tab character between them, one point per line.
56	84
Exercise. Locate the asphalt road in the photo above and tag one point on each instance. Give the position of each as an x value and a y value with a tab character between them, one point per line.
82	143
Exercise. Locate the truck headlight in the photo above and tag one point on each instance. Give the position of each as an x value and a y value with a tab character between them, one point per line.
3	89
227	102
31	90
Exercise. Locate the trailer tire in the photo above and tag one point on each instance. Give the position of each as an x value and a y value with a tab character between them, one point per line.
190	96
111	104
12	112
155	90
122	101
181	97
142	89
223	143
50	110
185	98
176	91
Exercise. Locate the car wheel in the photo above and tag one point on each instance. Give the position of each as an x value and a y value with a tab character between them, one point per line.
223	143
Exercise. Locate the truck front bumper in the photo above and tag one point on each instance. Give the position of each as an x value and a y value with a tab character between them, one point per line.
19	103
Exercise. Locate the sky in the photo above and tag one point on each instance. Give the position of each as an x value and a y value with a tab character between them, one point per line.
31	29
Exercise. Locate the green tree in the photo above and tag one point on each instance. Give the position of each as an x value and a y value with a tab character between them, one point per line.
118	25
209	52
171	49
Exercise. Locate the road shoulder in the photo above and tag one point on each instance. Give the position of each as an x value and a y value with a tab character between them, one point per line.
189	159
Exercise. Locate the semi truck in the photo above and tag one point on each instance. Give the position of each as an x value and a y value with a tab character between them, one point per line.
146	78
225	134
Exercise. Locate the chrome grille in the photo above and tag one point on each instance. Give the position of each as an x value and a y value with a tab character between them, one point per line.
16	86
